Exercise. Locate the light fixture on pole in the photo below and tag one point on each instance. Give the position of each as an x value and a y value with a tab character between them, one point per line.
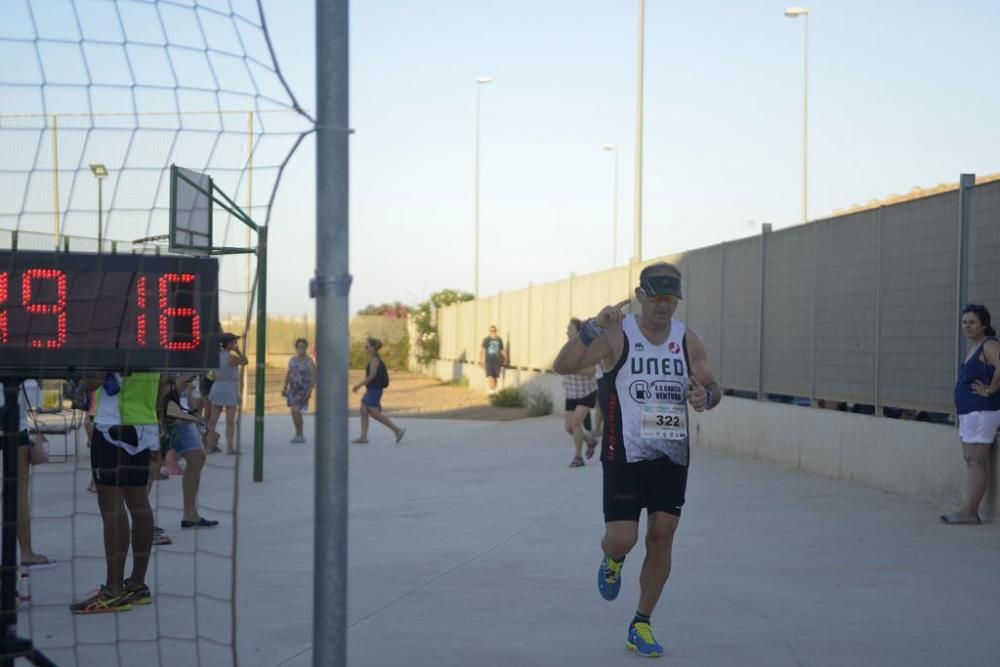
637	204
480	82
101	172
795	12
614	224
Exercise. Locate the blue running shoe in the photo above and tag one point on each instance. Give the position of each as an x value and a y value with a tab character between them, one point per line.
641	641
609	578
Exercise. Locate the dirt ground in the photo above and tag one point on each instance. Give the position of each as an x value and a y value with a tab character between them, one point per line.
409	395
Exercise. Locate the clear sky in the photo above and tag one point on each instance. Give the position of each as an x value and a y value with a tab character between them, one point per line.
902	93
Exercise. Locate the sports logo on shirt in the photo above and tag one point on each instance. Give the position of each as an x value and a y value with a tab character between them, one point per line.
659	391
639	347
674	347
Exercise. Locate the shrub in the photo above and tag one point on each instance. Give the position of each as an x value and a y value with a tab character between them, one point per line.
508	398
539	403
394	353
424	318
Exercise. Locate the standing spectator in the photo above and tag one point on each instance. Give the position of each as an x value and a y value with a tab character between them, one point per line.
24	444
126	434
375	381
300	380
977	403
581	396
182	424
492	357
225	393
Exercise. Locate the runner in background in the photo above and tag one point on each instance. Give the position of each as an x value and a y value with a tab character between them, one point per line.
492	357
581	395
375	381
300	380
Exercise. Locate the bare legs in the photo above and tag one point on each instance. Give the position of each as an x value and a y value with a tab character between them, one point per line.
213	422
28	556
621	536
113	502
976	459
191	481
297	421
574	426
376	414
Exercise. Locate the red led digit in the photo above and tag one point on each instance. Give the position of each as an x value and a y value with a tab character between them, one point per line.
167	311
58	308
140	319
3	313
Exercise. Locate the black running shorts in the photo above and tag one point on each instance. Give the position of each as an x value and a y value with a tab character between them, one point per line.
657	485
588	401
113	466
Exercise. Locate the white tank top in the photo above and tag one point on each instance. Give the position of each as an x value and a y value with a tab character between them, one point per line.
647	415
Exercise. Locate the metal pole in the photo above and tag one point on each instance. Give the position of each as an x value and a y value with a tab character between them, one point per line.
965	184
8	546
614	234
765	229
637	204
249	242
805	121
55	176
475	289
331	289
100	214
261	354
877	402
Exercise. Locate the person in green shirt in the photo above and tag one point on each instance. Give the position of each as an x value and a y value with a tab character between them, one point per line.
126	436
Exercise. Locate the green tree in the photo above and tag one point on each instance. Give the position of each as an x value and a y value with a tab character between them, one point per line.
428	343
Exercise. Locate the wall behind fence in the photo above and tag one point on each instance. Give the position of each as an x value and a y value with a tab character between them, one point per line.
861	307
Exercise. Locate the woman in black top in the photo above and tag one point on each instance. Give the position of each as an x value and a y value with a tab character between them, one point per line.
375	382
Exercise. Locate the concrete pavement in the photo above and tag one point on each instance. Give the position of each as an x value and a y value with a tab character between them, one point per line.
473	543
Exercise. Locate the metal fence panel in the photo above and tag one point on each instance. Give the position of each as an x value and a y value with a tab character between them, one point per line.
788	308
741	301
984	248
702	288
918	328
847	276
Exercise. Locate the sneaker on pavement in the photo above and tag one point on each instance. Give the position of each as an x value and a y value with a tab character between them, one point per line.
641	641
609	578
102	602
138	594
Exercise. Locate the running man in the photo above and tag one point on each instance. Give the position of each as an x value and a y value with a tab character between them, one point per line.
492	357
656	368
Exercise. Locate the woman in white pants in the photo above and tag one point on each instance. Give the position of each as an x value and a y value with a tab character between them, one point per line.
977	402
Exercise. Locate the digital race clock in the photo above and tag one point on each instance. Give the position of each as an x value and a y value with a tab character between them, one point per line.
63	313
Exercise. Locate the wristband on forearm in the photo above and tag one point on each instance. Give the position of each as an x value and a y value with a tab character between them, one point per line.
589	331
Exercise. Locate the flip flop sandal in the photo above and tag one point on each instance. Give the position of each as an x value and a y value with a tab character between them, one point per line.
577	462
591	449
954	520
39	564
399	437
202	522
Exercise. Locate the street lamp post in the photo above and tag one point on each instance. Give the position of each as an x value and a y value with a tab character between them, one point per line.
614	225
100	171
637	220
480	82
795	12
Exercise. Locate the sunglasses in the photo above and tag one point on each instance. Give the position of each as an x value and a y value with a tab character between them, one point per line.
668	299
